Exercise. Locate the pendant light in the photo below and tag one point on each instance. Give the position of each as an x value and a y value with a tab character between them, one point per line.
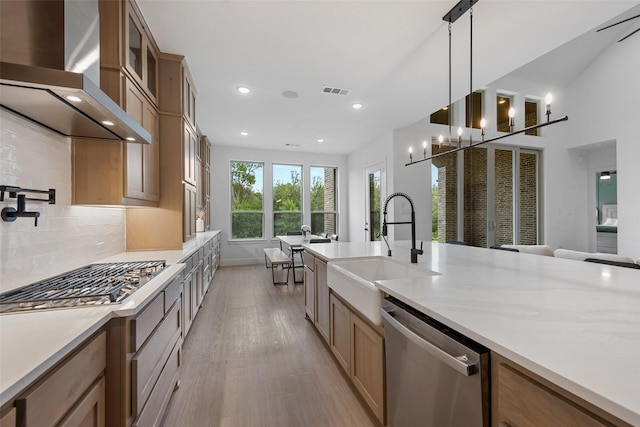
456	12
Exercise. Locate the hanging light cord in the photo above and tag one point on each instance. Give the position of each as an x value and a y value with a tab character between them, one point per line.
471	76
450	106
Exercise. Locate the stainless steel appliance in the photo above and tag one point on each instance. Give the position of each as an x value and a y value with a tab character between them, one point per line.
93	284
435	376
50	70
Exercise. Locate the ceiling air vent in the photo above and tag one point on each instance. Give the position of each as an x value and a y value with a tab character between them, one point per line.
335	90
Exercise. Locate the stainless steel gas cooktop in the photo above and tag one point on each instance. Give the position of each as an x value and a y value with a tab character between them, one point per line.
94	284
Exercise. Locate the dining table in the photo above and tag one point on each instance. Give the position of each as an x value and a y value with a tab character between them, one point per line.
295	243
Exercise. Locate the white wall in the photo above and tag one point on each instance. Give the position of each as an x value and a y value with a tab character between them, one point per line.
603	104
603	108
251	251
66	236
376	152
414	180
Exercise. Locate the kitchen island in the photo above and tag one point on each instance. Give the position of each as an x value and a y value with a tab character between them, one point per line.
574	324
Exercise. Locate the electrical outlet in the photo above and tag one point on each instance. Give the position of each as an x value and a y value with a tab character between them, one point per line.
99	248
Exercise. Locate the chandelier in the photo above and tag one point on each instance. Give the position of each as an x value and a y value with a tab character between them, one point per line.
456	12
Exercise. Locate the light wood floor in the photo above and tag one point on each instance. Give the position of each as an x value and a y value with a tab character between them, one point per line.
252	359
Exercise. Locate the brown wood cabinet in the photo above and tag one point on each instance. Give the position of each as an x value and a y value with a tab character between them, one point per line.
367	364
112	173
520	398
108	173
72	393
358	347
176	217
340	337
309	285
203	178
8	417
140	51
322	319
142	360
199	271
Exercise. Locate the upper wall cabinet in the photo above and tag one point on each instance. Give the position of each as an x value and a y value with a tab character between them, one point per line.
141	54
108	173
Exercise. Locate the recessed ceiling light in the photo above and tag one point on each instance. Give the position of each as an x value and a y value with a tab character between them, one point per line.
130	138
73	98
291	94
243	89
107	123
320	140
357	106
244	133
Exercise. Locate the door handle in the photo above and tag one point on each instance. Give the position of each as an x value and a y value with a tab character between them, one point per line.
459	363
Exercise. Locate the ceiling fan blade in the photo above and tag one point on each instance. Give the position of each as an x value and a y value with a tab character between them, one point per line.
628	35
623	21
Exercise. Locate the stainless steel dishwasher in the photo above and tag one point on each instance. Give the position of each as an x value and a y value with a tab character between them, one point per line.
435	376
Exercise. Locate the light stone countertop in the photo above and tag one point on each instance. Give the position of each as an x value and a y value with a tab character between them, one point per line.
33	342
574	323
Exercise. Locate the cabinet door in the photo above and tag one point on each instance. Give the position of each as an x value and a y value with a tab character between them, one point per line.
189	213
142	160
309	292
322	320
141	58
151	154
340	337
199	186
134	153
187	305
89	412
9	418
189	153
367	365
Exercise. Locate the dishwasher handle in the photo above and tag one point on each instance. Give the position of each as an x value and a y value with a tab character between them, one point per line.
457	363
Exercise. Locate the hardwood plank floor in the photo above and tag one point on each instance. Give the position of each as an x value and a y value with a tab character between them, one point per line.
252	359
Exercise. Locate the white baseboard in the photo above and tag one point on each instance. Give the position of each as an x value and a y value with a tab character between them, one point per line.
241	261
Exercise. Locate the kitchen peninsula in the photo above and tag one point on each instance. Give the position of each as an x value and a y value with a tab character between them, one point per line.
573	324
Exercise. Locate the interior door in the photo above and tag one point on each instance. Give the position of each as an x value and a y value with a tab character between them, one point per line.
375	183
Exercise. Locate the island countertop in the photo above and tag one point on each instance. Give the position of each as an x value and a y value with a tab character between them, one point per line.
574	323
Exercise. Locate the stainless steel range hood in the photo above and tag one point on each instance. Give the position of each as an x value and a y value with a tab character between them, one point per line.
50	70
67	103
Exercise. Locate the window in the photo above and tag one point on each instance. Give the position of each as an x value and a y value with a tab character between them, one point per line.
324	214
247	216
531	116
441	116
503	103
287	199
474	108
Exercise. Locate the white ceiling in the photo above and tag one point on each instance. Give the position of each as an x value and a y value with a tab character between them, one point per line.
391	55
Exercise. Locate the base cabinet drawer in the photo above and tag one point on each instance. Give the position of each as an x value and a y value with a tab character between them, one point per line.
520	398
59	393
148	363
152	413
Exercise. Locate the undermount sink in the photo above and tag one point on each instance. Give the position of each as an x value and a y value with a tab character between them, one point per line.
354	280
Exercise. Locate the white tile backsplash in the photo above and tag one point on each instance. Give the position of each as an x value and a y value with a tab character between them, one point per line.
66	236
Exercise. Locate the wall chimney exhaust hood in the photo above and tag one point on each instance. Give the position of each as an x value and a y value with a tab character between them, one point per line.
50	70
67	103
